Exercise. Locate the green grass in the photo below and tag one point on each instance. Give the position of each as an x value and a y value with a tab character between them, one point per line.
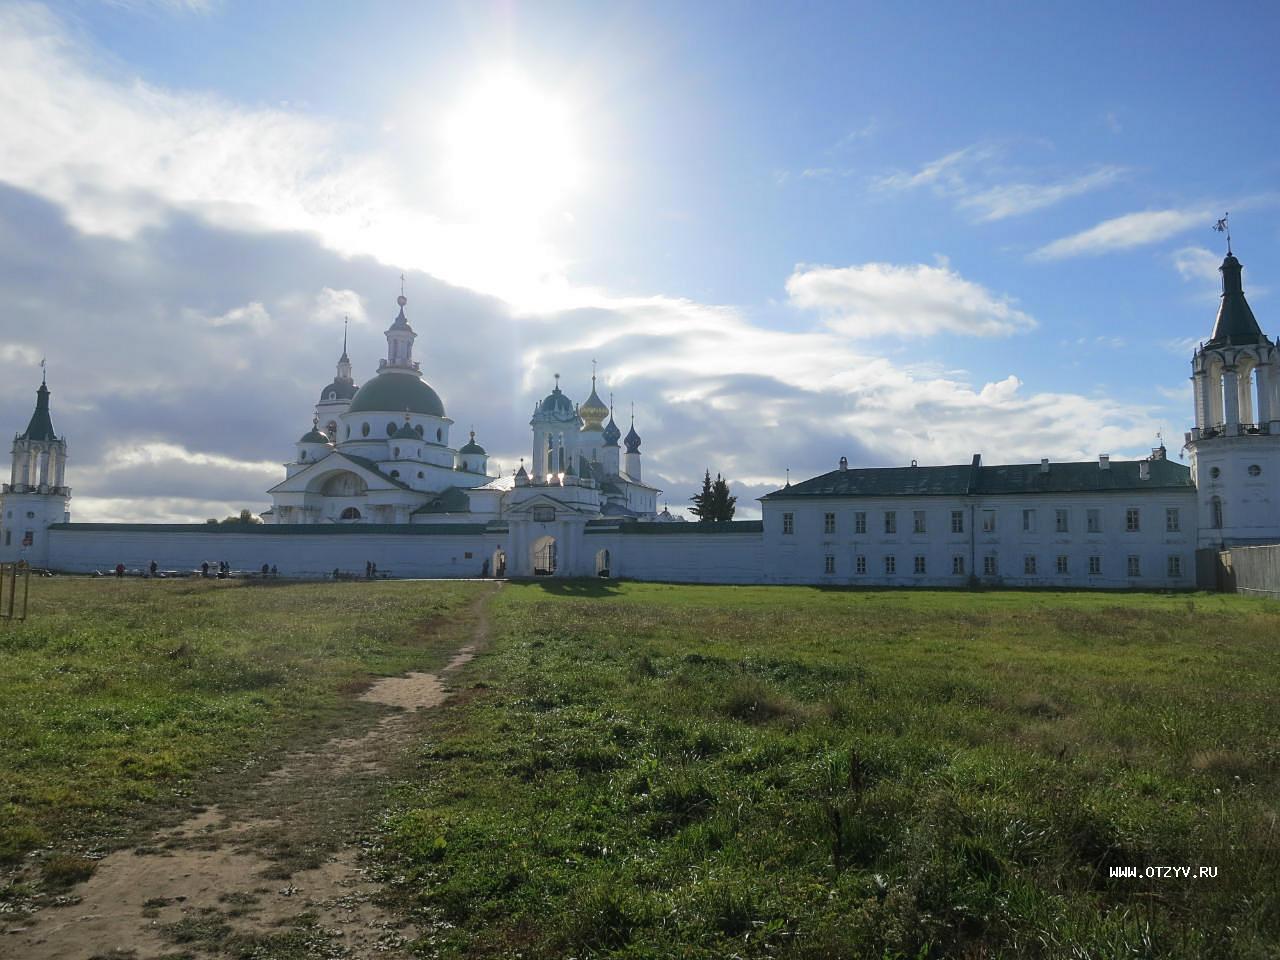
656	771
116	693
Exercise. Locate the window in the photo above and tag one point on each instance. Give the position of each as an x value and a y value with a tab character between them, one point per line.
439	434
1061	565
988	521
364	429
957	566
890	564
347	435
1093	521
1215	510
859	523
828	564
418	429
1060	521
351	513
1172	522
1029	565
395	453
828	523
891	521
920	566
1214	473
303	455
989	565
917	521
957	521
8	537
391	428
31	514
1134	566
788	523
1132	520
1028	521
543	514
395	474
860	564
1255	470
1175	565
1095	565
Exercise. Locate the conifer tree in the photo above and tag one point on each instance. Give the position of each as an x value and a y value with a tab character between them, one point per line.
703	503
722	503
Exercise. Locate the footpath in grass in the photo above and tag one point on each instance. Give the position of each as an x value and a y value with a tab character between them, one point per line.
120	692
657	771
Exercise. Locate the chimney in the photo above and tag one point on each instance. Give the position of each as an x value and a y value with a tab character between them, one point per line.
1104	461
1044	464
1144	470
844	463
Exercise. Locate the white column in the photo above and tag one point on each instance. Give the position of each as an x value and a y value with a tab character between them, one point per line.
1230	399
1246	395
1200	387
1264	392
15	468
44	467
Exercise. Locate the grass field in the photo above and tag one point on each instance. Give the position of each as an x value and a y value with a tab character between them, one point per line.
640	770
122	691
656	771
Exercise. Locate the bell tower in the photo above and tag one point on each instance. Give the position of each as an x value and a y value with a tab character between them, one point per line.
1235	443
36	495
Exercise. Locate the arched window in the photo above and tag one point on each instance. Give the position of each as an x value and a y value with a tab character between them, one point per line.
332	395
351	513
395	474
364	429
348	436
396	453
1255	470
464	465
418	429
1215	510
439	434
391	428
303	455
333	428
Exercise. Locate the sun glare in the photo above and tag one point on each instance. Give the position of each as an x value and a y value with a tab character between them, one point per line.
509	148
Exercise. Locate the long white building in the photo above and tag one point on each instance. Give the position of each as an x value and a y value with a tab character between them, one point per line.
377	480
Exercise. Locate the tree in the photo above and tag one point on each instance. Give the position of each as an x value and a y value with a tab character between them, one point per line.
703	502
722	503
246	518
714	504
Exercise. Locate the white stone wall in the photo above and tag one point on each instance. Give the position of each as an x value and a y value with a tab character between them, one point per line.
800	556
297	555
684	557
1250	504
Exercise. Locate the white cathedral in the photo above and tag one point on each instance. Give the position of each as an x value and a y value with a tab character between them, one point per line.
377	481
380	453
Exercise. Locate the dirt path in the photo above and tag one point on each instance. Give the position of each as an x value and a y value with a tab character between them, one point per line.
271	872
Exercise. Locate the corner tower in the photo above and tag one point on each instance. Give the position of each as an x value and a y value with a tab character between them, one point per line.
1235	443
36	495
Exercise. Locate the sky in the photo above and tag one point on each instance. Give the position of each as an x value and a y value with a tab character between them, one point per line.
786	232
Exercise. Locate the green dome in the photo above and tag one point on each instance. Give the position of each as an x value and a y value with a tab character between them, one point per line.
314	436
471	446
396	393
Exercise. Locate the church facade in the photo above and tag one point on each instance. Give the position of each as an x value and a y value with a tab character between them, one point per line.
378	480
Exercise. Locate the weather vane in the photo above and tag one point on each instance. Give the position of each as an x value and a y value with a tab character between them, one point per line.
1223	227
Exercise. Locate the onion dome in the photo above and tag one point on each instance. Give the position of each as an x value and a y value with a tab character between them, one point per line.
315	435
1235	326
41	425
338	390
593	411
632	440
556	404
397	390
406	431
471	446
611	433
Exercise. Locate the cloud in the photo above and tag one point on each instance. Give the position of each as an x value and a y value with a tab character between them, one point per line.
969	177
1123	233
879	299
1016	199
1197	263
120	155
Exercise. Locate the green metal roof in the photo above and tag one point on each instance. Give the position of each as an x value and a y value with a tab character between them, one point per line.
631	526
266	529
1235	325
41	425
340	390
373	468
394	392
977	480
448	500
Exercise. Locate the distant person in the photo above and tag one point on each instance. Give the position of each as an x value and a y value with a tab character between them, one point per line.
484	569
154	567
368	569
266	570
274	572
204	569
120	570
374	568
335	573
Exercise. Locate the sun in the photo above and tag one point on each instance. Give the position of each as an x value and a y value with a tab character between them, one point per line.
510	153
